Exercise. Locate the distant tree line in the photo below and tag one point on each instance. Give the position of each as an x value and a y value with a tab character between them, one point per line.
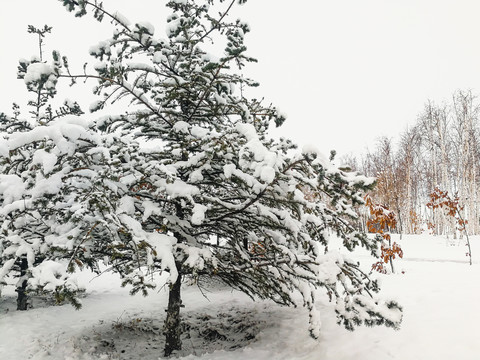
441	151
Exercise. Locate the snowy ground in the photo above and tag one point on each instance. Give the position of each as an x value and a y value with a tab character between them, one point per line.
439	291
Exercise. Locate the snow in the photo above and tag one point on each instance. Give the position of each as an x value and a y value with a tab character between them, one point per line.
47	160
50	274
319	156
11	187
199	132
150	208
228	170
69	127
126	206
4	147
179	188
101	47
162	250
38	72
181	126
198	214
145	25
195	256
159	57
172	25
438	290
51	185
267	174
121	19
96	105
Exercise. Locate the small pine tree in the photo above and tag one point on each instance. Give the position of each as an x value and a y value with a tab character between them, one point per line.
35	238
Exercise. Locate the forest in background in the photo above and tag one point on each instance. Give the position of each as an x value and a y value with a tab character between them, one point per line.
440	151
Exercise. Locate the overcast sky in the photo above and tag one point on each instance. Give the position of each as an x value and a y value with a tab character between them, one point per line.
345	71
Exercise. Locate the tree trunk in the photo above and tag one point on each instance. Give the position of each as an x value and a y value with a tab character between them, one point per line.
22	298
400	223
172	322
391	257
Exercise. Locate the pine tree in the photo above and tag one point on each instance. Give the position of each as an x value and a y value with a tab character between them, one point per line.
36	158
187	181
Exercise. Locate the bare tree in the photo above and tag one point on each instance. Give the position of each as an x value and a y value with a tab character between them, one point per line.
465	139
409	166
434	124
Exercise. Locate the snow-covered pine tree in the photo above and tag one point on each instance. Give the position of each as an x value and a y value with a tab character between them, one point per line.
192	185
40	163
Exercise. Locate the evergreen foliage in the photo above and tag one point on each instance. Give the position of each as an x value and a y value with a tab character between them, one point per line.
187	181
38	160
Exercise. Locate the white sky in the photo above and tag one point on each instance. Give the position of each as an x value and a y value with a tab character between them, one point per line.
345	71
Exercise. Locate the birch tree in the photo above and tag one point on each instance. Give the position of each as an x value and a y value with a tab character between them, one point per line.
434	124
465	136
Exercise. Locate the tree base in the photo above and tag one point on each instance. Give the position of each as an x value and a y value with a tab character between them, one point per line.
172	328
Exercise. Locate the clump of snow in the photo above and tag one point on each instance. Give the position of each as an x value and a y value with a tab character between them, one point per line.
4	150
42	73
96	105
46	186
196	257
267	174
179	189
162	250
50	274
126	205
181	126
199	132
247	130
159	57
150	208
103	47
146	26
121	19
228	170
46	159
198	214
11	187
63	133
173	23
310	149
